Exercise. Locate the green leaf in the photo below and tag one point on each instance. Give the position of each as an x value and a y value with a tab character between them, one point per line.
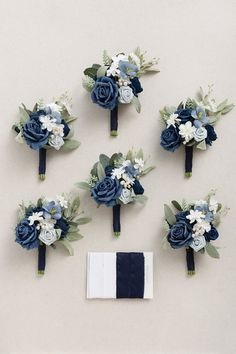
24	116
184	205
96	66
129	155
93	172
169	215
65	242
104	160
100	171
166	227
82	221
91	72
88	83
211	250
83	185
201	145
19	138
101	71
113	158
227	108
164	243
106	58
140	154
70	144
140	199
147	170
177	205
69	119
73	236
136	104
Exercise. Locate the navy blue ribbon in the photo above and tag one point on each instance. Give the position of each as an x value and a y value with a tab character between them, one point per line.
129	275
41	258
188	160
42	161
114	120
116	219
190	260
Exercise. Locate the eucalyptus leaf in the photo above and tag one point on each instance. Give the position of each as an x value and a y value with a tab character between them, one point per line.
65	242
166	227
164	243
104	160
73	236
101	71
83	185
136	104
70	144
19	138
100	171
140	154
91	72
177	205
106	58
211	250
70	119
82	221
24	116
169	215
88	83
140	199
201	145
147	170
129	155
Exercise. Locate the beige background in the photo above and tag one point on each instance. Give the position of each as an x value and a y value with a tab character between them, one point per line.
45	45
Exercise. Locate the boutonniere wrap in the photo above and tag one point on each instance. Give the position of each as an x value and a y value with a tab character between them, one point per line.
47	223
116	81
46	126
192	124
193	226
115	181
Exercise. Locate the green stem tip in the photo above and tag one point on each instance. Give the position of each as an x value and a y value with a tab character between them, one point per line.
191	272
42	177
188	174
40	272
116	234
114	133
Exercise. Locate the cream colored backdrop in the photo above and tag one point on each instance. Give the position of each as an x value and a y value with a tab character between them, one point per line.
45	46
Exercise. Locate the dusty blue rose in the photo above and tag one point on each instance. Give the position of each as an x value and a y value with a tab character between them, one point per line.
137	187
180	235
34	135
27	235
211	134
170	139
107	191
212	235
105	92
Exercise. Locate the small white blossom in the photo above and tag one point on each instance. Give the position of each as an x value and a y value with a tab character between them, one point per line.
46	224
139	164
56	141
213	205
172	120
62	201
38	216
128	180
187	131
135	59
58	129
117	172
195	215
198	243
200	228
48	236
47	122
126	197
114	68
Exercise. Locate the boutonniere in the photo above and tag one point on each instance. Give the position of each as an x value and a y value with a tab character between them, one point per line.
192	124
116	81
46	126
49	222
193	226
115	181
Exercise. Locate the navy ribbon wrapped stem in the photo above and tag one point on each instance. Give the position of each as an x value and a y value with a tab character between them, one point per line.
188	160
41	258
116	219
42	163
129	275
114	121
190	261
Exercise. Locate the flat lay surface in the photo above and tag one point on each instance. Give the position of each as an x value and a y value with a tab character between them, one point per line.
45	46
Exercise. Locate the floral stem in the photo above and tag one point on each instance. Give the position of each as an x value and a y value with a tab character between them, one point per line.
188	160
190	261
41	258
116	220
114	121
42	163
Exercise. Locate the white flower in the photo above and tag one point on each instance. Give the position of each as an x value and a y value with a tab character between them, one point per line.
46	224
195	215
198	243
125	197
172	120
213	205
139	164
200	228
187	131
54	107
56	141
125	94
210	106
113	70
117	172
184	102
58	129
47	122
62	201
38	216
200	134
127	180
48	236
135	59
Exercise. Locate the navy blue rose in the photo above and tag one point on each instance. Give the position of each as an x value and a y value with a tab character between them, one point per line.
37	114
137	187
212	235
105	93
107	191
180	235
27	235
108	170
185	115
66	128
181	216
211	134
170	138
136	86
63	225
34	135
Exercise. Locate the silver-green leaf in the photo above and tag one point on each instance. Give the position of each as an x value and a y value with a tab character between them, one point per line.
169	215
211	250
70	144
